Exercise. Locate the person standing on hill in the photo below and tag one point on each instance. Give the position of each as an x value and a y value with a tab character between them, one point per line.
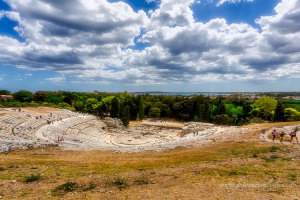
274	134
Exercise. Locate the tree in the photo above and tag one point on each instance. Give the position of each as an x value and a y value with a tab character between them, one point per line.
291	114
222	119
115	107
126	116
279	112
40	96
221	108
23	96
4	92
141	109
154	112
267	105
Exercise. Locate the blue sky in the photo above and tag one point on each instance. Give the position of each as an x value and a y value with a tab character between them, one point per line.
135	45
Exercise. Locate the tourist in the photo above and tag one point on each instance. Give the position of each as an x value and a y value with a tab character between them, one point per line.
294	135
263	134
274	133
281	136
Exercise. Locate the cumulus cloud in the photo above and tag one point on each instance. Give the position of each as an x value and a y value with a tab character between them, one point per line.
90	40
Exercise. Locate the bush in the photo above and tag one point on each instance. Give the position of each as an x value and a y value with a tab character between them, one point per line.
32	177
154	112
91	186
142	180
256	120
222	119
274	149
118	181
67	187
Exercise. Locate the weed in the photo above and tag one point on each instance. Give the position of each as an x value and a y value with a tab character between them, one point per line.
274	148
271	158
292	177
118	181
67	187
142	180
287	159
254	155
91	186
2	169
34	168
32	177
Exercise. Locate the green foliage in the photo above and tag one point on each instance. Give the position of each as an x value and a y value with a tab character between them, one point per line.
274	148
118	181
196	118
91	186
4	92
222	119
67	187
154	112
267	105
141	109
32	178
279	112
291	114
142	180
23	96
115	107
220	108
126	116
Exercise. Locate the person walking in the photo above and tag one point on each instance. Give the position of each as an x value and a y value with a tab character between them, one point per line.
263	134
294	135
282	134
274	134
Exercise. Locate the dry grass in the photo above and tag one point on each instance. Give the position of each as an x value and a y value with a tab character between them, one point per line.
190	173
40	109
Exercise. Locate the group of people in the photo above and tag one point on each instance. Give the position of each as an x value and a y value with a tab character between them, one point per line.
274	133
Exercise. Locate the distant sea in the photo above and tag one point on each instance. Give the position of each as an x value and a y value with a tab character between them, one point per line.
185	93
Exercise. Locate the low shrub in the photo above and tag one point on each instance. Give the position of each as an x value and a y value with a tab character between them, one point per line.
32	177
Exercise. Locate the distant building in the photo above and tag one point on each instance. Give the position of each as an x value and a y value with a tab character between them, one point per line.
6	97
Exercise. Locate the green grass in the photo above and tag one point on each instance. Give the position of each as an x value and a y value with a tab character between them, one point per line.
274	148
272	158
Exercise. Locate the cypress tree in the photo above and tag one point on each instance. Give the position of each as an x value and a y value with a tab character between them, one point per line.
279	112
126	116
141	109
114	108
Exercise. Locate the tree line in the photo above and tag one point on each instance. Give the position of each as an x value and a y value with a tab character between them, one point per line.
231	110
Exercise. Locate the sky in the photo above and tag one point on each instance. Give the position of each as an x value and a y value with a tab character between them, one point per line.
150	45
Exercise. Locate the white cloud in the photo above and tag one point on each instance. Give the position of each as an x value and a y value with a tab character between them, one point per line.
221	2
57	80
89	40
